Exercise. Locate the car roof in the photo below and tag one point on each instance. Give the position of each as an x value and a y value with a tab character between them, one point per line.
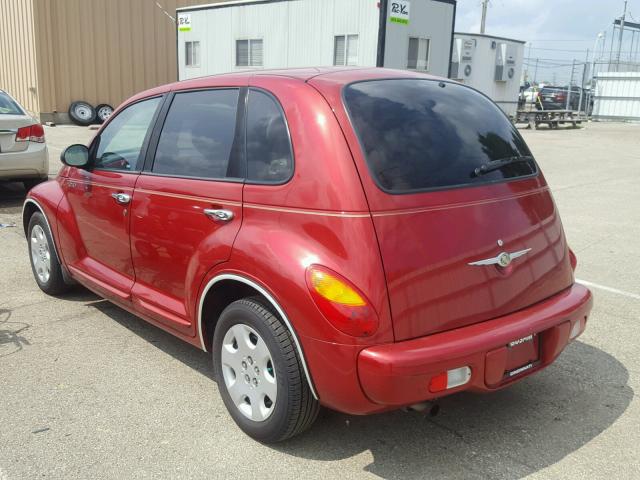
340	75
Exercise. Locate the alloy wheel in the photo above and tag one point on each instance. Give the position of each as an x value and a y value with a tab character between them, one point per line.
40	254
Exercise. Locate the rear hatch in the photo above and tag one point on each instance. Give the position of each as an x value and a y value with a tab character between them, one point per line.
453	188
11	119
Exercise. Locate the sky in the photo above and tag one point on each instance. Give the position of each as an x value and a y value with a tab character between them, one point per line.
556	31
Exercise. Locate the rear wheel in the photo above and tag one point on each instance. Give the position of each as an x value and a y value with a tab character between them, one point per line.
259	373
45	266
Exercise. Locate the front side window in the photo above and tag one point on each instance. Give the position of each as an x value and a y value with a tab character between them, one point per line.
249	53
345	50
192	54
418	56
425	134
120	143
199	135
269	155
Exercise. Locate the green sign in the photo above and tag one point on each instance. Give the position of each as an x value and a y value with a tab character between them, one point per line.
184	22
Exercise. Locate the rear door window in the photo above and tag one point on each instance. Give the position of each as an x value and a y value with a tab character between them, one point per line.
199	138
8	106
269	153
419	135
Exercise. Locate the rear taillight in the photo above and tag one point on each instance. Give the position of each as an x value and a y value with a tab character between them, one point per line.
577	328
32	133
346	307
573	260
450	379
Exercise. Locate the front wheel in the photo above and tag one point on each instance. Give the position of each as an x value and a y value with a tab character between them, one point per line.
259	373
45	265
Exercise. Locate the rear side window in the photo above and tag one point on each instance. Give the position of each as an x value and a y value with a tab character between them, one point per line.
8	106
198	138
424	134
269	155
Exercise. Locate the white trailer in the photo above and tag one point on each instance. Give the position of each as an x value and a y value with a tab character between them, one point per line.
490	64
254	34
617	97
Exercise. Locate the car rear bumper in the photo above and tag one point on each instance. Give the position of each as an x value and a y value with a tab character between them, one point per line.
30	163
399	374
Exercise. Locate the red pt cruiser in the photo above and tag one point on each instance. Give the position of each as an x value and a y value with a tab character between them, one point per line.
362	239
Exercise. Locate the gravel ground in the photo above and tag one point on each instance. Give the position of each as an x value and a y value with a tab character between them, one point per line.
90	391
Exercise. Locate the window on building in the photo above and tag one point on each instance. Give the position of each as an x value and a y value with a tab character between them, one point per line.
418	58
199	135
269	156
192	54
249	53
345	50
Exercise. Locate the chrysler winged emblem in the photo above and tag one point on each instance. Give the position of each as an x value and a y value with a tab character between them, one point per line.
503	259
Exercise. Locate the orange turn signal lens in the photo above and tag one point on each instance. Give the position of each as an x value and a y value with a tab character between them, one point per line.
341	303
333	289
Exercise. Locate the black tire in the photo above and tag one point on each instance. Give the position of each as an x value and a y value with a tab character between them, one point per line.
32	182
295	409
82	113
54	284
103	112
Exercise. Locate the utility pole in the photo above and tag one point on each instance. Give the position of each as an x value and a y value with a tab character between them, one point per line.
535	73
585	68
602	35
613	36
483	23
624	14
573	67
527	76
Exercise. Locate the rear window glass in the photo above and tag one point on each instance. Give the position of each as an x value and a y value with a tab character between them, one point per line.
8	106
269	156
425	134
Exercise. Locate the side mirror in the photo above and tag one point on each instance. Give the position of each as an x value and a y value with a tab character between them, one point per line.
75	156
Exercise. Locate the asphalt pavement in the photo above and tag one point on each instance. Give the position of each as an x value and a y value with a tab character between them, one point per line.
87	390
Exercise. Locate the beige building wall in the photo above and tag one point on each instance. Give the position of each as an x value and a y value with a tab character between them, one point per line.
18	71
54	52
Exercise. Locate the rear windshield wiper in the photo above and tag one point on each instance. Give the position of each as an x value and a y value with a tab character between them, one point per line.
494	165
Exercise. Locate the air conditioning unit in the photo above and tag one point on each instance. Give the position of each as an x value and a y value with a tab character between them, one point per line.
462	58
505	62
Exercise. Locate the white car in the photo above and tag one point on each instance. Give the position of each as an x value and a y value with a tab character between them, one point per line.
23	151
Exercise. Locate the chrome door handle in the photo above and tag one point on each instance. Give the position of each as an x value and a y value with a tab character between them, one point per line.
121	198
219	215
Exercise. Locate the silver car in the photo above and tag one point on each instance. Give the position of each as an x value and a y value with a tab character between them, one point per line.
23	151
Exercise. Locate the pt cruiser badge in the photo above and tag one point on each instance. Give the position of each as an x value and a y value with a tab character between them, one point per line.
503	259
